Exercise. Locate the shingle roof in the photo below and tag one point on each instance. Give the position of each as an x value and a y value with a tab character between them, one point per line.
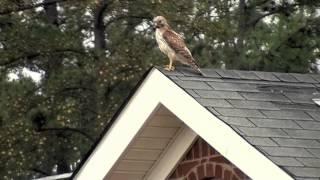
273	111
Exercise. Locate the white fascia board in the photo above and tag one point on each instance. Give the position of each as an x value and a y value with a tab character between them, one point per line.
122	132
156	89
56	177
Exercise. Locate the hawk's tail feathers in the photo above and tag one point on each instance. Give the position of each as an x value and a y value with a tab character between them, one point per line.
196	68
201	73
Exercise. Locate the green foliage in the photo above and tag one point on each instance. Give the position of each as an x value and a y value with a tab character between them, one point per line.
53	122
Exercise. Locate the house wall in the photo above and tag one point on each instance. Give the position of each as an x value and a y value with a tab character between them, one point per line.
202	162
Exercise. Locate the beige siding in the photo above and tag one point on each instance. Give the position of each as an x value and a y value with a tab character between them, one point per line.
148	146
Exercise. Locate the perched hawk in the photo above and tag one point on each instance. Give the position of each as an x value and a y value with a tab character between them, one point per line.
172	44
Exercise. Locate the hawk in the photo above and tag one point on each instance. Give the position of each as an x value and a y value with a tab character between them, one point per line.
172	45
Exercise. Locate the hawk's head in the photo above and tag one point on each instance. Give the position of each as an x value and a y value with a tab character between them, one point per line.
160	22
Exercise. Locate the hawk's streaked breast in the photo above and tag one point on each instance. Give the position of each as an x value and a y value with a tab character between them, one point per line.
163	46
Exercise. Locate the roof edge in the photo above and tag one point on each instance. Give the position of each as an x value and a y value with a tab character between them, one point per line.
109	125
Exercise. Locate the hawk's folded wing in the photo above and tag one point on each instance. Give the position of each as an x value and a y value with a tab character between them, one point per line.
176	43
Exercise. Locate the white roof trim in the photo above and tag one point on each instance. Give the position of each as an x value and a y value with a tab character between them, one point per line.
173	155
56	177
156	89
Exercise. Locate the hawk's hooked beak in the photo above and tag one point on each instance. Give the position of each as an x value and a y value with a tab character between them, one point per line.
154	25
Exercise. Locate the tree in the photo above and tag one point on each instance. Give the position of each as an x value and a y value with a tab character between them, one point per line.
91	53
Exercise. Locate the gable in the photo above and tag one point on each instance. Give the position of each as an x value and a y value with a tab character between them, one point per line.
157	90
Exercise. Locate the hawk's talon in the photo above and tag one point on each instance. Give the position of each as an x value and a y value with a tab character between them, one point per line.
167	67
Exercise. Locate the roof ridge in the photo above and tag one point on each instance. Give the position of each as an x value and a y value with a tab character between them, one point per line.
214	73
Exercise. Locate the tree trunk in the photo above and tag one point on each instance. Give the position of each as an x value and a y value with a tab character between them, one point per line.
51	12
54	66
235	62
99	27
242	24
54	63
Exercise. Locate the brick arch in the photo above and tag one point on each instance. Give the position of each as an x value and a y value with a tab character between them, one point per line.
213	171
203	162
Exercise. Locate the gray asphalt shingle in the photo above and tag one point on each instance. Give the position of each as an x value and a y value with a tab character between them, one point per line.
239	112
285	161
315	115
296	106
305	78
263	132
198	78
304	171
233	86
286	151
227	74
298	115
303	134
210	73
300	97
238	121
274	112
247	75
304	143
260	141
310	162
213	111
253	104
285	77
265	97
316	77
275	123
266	76
193	84
218	94
214	102
315	152
192	93
312	125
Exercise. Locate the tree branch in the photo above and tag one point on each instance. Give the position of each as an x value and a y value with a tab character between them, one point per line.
279	9
254	21
32	55
29	6
39	171
13	60
68	129
257	3
126	17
